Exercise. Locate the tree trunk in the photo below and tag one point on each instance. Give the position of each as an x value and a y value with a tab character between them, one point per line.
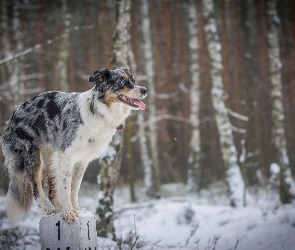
131	164
64	50
41	40
194	169
144	154
111	160
235	182
4	182
252	106
152	190
110	163
130	160
14	70
287	185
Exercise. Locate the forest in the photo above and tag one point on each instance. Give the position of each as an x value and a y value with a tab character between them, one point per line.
220	75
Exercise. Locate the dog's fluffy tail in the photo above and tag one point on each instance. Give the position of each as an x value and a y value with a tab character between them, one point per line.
18	201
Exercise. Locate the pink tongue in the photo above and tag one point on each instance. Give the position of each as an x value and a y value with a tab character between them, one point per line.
140	104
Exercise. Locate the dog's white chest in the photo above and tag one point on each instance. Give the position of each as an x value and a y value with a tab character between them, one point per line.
90	143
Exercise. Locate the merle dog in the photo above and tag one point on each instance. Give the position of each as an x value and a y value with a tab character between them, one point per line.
53	136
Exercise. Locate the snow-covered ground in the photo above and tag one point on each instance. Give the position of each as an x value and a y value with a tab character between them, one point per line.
178	221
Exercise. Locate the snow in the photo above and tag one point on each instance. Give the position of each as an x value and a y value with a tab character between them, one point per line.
274	168
178	221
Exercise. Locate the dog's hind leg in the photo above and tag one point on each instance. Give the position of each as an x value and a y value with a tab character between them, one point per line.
77	177
51	189
39	194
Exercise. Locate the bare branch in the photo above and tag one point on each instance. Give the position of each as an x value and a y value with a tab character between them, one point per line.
238	130
166	96
237	115
183	88
32	91
32	76
160	118
39	46
166	117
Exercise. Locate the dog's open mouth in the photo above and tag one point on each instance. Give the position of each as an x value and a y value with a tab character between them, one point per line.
135	103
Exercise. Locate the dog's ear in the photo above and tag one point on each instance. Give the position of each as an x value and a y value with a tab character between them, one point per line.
130	75
127	71
100	76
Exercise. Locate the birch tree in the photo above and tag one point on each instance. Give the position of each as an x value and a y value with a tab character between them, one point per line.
111	160
64	50
234	178
287	185
193	179
128	133
14	71
152	176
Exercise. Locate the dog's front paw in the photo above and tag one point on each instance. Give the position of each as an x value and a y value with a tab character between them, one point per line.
79	209
50	209
68	214
46	207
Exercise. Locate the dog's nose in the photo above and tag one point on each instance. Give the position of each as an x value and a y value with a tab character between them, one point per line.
143	90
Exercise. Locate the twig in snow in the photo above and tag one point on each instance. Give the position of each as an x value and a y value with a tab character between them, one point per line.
235	247
133	245
135	221
212	243
134	242
194	230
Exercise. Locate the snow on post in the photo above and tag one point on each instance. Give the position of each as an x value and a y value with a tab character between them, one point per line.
235	181
56	233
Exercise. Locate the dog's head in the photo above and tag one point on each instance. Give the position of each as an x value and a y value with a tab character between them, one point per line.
118	85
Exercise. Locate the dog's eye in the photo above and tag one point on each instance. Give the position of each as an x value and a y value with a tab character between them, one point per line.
122	83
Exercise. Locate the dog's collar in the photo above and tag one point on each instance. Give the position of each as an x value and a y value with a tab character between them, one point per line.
92	105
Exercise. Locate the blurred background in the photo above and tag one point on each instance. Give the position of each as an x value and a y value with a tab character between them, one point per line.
56	45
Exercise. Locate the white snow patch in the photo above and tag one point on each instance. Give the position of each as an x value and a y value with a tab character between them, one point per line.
274	168
185	222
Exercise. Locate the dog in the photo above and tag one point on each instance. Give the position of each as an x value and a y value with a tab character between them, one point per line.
53	136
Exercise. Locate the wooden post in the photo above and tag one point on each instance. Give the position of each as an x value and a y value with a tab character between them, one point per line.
56	233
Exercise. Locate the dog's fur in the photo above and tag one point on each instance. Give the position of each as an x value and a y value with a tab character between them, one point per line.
53	136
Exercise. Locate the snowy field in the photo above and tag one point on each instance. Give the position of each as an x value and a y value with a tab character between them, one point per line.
176	221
